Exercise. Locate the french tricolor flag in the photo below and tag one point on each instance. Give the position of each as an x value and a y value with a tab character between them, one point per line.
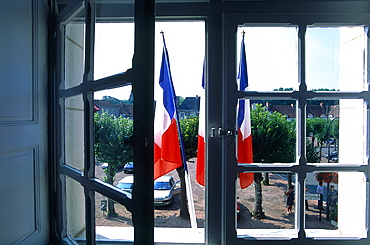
167	151
200	168
245	152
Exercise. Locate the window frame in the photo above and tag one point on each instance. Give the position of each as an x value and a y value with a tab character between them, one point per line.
220	226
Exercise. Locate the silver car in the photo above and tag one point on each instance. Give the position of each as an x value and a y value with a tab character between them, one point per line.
165	188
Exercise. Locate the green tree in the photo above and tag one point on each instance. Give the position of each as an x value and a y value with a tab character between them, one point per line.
189	129
110	132
317	127
273	136
273	141
311	154
112	100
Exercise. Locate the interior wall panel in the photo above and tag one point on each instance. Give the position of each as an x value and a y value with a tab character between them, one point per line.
17	69
20	195
24	176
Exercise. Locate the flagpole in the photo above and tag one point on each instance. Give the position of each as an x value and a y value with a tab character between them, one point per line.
189	192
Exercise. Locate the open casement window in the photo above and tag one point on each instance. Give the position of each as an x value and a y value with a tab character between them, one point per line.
308	69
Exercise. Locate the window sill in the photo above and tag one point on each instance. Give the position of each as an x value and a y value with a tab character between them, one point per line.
162	235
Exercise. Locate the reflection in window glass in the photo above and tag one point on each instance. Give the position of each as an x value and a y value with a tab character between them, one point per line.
321	204
74	54
334	58
272	57
353	131
74	132
337	195
75	208
322	128
273	131
336	131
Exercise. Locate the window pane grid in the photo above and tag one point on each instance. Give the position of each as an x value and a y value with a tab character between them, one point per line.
301	170
304	167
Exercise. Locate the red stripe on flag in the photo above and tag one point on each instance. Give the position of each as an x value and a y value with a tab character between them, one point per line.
245	155
167	157
200	170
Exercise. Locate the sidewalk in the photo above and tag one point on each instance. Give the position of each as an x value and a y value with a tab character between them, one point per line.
273	203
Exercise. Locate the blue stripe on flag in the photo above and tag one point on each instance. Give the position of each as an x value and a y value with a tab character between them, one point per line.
243	81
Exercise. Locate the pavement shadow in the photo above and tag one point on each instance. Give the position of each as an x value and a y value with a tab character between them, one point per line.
246	221
175	205
121	219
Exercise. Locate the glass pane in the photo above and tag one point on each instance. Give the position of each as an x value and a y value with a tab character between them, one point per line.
113	220
336	128
114	48
263	205
318	209
272	57
353	131
340	191
185	45
334	58
322	127
74	53
75	209
176	210
273	131
74	132
113	120
167	203
185	42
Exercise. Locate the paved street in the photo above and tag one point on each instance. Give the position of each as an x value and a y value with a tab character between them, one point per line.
273	206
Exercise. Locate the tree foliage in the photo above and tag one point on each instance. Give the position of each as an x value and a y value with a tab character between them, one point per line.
189	129
273	136
311	154
327	177
318	128
110	132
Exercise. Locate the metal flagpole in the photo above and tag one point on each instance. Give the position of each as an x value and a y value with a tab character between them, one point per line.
189	192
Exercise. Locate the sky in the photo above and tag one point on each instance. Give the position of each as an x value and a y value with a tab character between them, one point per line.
185	43
272	56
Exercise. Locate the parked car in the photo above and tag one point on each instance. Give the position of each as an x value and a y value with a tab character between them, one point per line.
331	155
334	159
128	168
165	188
331	142
126	183
115	168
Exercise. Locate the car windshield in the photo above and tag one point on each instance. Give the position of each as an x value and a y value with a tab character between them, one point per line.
124	185
162	186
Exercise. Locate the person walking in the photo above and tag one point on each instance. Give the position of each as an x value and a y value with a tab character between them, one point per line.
333	197
290	199
320	190
305	200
